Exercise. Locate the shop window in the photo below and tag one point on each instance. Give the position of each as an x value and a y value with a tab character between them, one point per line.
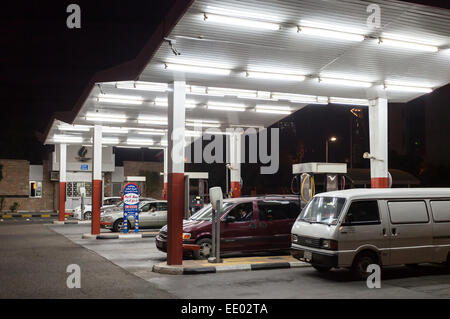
73	189
35	189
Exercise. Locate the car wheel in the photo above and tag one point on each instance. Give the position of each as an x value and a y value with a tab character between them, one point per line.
360	264
205	249
87	216
118	225
321	268
447	263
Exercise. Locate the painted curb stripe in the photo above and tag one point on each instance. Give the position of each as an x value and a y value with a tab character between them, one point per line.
27	215
199	270
7	216
45	216
270	266
107	237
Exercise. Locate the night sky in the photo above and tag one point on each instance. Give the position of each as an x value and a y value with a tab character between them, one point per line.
46	66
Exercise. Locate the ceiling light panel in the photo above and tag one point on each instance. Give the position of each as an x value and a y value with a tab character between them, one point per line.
239	22
196	69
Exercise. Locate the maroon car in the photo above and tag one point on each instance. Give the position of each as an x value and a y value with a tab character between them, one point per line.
248	224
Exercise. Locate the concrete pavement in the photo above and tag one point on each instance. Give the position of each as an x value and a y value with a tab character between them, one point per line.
33	265
139	256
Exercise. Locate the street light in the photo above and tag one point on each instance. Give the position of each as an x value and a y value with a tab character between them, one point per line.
331	139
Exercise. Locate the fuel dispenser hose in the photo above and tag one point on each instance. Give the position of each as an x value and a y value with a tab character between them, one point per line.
313	188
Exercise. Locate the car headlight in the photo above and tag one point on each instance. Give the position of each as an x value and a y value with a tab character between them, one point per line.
328	244
294	238
186	236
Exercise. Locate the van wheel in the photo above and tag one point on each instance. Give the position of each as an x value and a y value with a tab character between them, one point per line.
360	264
205	249
321	268
87	216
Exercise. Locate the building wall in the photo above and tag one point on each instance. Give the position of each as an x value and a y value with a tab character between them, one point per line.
132	168
14	187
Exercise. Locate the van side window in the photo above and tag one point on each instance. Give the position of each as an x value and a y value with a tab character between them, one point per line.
408	212
242	212
278	210
363	213
441	210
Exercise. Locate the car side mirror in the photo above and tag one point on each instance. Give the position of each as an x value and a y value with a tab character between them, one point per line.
230	219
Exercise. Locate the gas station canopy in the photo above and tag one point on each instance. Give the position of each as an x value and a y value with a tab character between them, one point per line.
252	63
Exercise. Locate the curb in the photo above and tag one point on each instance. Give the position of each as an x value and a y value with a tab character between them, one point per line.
5	216
180	270
71	222
119	236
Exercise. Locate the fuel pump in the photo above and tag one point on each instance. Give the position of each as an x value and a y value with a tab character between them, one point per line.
304	180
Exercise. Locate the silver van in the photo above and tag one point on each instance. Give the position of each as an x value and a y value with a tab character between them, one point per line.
358	227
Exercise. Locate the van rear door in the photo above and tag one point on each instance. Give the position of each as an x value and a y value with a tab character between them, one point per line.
411	232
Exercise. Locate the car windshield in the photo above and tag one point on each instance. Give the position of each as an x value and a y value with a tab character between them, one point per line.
323	210
206	212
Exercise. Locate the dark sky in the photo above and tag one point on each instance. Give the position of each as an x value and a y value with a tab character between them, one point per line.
45	66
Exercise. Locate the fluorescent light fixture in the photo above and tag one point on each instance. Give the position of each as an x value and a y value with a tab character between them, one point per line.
114	130
196	90
240	93
142	119
407	88
407	44
108	140
273	109
143	86
164	143
106	117
341	100
120	99
138	141
196	69
74	128
152	132
329	33
344	82
202	123
208	17
297	98
67	138
224	106
275	76
162	101
121	146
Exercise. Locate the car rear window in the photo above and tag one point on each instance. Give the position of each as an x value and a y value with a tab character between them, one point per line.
278	209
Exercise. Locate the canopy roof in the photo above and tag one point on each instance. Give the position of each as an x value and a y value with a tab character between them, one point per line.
251	63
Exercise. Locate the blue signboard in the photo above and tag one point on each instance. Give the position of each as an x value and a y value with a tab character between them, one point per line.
130	206
84	167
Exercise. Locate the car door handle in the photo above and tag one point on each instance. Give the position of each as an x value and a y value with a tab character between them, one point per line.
384	231
262	225
252	226
394	232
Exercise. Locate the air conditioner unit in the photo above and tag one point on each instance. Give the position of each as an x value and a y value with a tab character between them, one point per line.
54	176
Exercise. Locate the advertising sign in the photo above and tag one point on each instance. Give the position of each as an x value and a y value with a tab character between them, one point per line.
130	206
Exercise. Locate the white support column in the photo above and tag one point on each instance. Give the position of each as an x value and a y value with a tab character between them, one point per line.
235	162
96	179
165	172
175	194
62	181
378	127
